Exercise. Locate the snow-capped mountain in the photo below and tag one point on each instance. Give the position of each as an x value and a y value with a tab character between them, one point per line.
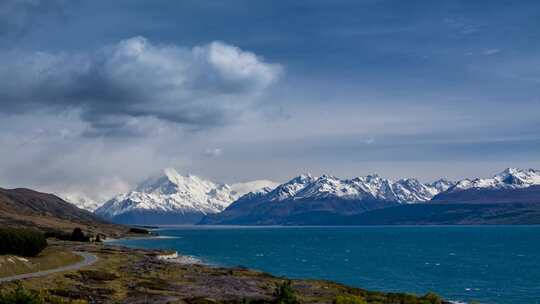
304	198
511	178
172	198
510	186
81	201
372	187
442	184
254	186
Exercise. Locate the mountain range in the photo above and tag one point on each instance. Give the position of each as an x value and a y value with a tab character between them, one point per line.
172	198
512	196
306	196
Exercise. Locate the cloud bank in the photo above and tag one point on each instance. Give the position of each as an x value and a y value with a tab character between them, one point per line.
121	88
16	15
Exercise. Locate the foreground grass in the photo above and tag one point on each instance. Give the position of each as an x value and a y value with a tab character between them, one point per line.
51	257
124	275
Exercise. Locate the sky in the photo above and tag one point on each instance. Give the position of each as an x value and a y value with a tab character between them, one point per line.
95	96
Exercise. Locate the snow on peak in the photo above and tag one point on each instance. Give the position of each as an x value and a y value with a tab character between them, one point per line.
290	188
81	201
372	187
510	178
173	192
254	186
442	184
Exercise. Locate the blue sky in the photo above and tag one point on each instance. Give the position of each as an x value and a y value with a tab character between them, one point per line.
99	94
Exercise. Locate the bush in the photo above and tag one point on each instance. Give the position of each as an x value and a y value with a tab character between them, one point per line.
78	236
349	299
284	294
23	296
24	242
138	230
432	298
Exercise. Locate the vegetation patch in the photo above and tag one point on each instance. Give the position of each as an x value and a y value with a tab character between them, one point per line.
285	294
23	242
349	299
51	257
96	275
20	295
76	236
138	230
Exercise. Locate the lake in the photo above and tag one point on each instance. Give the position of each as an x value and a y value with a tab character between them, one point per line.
490	264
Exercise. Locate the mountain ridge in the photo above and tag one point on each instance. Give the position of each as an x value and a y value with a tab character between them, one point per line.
306	194
327	196
172	198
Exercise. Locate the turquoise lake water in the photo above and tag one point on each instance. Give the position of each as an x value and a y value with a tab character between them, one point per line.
490	264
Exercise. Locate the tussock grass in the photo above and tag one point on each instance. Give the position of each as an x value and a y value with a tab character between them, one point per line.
51	257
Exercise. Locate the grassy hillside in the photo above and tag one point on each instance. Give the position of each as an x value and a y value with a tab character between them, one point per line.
51	257
25	208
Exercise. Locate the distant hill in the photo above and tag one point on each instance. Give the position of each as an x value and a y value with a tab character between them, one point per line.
28	208
446	214
490	196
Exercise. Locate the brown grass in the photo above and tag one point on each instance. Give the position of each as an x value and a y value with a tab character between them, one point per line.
51	257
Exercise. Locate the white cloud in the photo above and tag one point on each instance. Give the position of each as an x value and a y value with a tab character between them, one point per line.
489	52
213	152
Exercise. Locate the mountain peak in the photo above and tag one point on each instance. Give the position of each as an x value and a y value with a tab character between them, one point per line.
180	196
509	178
442	184
176	178
374	187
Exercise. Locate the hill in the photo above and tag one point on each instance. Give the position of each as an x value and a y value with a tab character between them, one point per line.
31	209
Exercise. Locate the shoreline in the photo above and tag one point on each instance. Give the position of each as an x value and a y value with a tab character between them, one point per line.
181	259
130	275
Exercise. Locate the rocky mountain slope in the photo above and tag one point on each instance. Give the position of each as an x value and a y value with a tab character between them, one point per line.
172	198
307	198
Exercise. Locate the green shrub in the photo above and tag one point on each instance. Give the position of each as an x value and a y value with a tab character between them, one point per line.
284	294
349	299
432	298
24	242
21	296
138	230
78	236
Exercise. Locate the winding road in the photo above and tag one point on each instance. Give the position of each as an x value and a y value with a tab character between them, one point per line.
88	259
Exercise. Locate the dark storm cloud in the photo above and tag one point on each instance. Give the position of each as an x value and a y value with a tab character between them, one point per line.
134	80
16	16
